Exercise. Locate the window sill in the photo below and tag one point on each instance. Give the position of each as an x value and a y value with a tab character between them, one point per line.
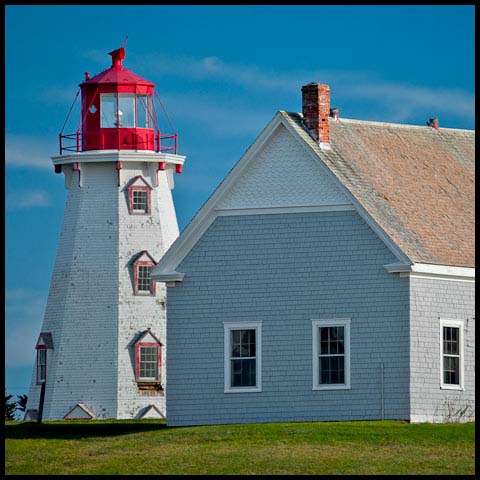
451	387
332	387
150	385
243	390
144	294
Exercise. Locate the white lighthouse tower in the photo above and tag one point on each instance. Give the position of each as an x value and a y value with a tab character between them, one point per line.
101	349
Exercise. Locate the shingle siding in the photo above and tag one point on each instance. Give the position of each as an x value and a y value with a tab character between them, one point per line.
432	300
285	270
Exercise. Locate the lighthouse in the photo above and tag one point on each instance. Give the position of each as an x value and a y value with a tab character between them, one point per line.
101	349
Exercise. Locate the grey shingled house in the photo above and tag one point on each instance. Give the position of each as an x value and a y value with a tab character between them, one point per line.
330	276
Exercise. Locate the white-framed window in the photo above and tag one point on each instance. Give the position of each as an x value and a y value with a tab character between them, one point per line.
41	365
243	357
331	354
451	354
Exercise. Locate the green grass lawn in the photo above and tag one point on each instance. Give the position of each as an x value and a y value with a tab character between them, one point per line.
149	447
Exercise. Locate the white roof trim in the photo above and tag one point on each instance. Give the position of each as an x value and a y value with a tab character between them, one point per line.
206	215
93	156
426	270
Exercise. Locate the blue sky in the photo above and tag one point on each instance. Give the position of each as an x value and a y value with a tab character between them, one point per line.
222	73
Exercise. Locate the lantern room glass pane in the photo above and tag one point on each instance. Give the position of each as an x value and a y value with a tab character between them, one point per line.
126	110
108	110
143	111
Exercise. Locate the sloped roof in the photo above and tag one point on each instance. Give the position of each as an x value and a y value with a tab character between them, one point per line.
416	182
117	75
413	185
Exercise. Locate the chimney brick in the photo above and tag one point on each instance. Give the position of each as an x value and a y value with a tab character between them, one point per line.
316	109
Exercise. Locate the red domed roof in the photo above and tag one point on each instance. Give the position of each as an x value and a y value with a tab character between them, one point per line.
117	73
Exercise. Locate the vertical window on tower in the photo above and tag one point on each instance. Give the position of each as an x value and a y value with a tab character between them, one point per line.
143	111
41	365
148	355
108	110
126	110
144	285
140	200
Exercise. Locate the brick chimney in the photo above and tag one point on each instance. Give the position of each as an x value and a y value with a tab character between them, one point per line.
316	109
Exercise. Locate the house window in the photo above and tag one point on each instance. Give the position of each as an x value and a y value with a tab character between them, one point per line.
143	283
41	365
331	354
451	348
242	344
148	356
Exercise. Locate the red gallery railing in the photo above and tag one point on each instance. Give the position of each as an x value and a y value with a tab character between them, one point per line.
162	142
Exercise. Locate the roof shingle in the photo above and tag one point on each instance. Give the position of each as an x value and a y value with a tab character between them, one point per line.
416	182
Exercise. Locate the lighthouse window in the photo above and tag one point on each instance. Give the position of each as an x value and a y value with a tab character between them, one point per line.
126	110
108	110
144	283
140	200
41	365
143	102
148	363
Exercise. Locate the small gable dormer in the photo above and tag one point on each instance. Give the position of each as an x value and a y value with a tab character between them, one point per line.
143	264
79	412
148	359
139	196
44	343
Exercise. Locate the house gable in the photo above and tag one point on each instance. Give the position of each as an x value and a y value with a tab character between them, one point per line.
282	175
233	195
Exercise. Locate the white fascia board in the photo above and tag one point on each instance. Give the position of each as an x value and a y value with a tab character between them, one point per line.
207	214
94	156
426	270
393	247
168	277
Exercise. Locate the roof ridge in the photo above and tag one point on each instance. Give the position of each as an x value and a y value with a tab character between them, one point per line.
390	124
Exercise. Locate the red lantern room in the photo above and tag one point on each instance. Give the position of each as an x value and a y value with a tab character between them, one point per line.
118	113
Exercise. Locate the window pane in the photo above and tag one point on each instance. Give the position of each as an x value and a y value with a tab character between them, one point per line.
142	111
108	110
126	110
41	365
144	281
324	370
243	373
243	343
451	370
332	358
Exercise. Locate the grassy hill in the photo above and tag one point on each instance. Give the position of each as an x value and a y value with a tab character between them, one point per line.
149	447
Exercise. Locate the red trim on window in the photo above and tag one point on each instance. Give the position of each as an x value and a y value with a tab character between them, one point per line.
133	188
137	357
153	287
